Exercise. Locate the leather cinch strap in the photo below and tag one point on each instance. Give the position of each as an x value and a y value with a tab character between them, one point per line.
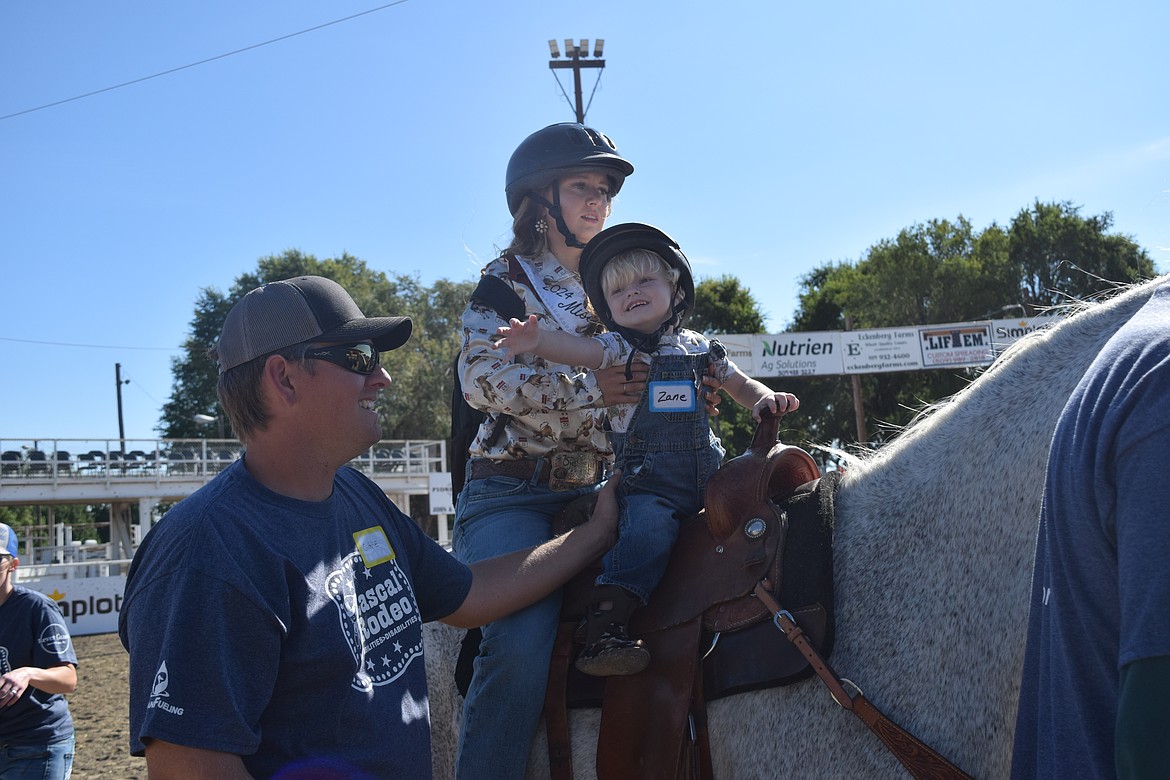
919	759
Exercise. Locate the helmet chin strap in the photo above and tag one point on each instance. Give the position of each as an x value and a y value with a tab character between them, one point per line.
645	342
554	210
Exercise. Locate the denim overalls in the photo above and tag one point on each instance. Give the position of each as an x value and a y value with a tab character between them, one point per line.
666	458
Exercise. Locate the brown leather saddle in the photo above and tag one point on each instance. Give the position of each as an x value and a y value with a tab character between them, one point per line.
768	517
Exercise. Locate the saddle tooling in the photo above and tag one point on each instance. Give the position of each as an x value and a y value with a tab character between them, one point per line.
765	539
768	518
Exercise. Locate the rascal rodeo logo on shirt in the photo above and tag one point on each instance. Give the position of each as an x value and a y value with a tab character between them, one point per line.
377	609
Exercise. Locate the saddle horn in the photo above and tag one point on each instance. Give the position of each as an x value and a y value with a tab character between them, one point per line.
767	468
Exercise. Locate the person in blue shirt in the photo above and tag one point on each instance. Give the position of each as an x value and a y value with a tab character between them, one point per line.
1097	666
37	667
274	617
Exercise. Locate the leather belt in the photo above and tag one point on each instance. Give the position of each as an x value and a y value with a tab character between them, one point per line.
561	470
482	468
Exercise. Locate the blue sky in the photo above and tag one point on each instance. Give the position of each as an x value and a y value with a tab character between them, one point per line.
768	138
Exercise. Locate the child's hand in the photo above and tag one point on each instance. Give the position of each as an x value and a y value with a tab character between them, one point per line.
778	403
519	336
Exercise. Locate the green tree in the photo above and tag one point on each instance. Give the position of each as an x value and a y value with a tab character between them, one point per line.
944	271
724	305
1060	255
193	390
415	405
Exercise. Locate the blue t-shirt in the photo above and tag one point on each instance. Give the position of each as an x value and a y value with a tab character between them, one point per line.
1101	587
287	631
33	633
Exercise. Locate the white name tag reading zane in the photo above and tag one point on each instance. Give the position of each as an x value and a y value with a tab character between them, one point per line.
675	396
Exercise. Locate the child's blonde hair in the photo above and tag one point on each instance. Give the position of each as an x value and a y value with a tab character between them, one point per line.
631	264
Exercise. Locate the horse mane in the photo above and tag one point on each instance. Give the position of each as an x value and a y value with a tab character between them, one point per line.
1027	360
936	530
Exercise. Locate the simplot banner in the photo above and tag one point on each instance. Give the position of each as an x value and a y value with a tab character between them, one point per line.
90	605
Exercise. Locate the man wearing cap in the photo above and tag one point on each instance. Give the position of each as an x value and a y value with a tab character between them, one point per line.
37	666
274	617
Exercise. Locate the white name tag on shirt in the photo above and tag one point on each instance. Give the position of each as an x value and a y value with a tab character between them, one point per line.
674	396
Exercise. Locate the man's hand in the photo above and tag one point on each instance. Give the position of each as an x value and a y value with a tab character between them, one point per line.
605	513
509	582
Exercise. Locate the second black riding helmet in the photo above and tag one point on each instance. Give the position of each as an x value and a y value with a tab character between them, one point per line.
610	243
555	150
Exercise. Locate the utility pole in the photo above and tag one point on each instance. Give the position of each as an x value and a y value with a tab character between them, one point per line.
574	54
118	382
858	403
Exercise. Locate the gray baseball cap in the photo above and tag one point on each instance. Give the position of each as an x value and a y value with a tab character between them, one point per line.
293	311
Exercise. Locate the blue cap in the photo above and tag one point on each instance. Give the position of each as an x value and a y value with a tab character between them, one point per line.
8	544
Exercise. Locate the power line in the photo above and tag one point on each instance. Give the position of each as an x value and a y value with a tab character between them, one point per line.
142	390
200	62
89	346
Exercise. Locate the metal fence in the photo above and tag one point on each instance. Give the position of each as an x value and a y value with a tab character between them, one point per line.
63	460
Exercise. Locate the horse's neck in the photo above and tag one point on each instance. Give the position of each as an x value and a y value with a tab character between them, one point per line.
966	479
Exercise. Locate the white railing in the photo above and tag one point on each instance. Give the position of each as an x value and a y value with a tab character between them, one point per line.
70	571
65	460
48	472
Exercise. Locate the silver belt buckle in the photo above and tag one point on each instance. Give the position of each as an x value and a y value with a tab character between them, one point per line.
572	470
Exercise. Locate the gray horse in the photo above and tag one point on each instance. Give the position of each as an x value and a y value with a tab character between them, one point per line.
935	535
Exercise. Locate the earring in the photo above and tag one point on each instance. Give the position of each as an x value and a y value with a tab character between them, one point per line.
540	226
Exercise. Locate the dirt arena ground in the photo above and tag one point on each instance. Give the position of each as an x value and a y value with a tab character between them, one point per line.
101	713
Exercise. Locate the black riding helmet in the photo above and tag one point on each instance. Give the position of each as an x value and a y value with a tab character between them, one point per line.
548	154
634	235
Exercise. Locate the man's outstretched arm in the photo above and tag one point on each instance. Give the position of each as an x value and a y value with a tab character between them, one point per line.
504	584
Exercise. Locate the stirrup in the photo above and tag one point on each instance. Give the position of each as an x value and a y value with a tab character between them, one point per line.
613	656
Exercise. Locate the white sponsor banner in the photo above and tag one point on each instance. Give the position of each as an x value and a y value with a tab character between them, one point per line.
956	345
90	605
880	350
741	350
442	503
815	353
876	350
1004	333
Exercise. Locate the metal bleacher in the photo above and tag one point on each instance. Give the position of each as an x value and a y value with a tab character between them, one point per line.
46	471
151	473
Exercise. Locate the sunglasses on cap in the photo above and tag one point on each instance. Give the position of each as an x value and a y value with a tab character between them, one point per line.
358	358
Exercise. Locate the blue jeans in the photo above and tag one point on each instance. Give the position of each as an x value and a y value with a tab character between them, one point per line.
494	516
663	489
666	456
53	761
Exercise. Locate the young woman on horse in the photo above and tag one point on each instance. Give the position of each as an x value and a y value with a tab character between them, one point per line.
537	449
